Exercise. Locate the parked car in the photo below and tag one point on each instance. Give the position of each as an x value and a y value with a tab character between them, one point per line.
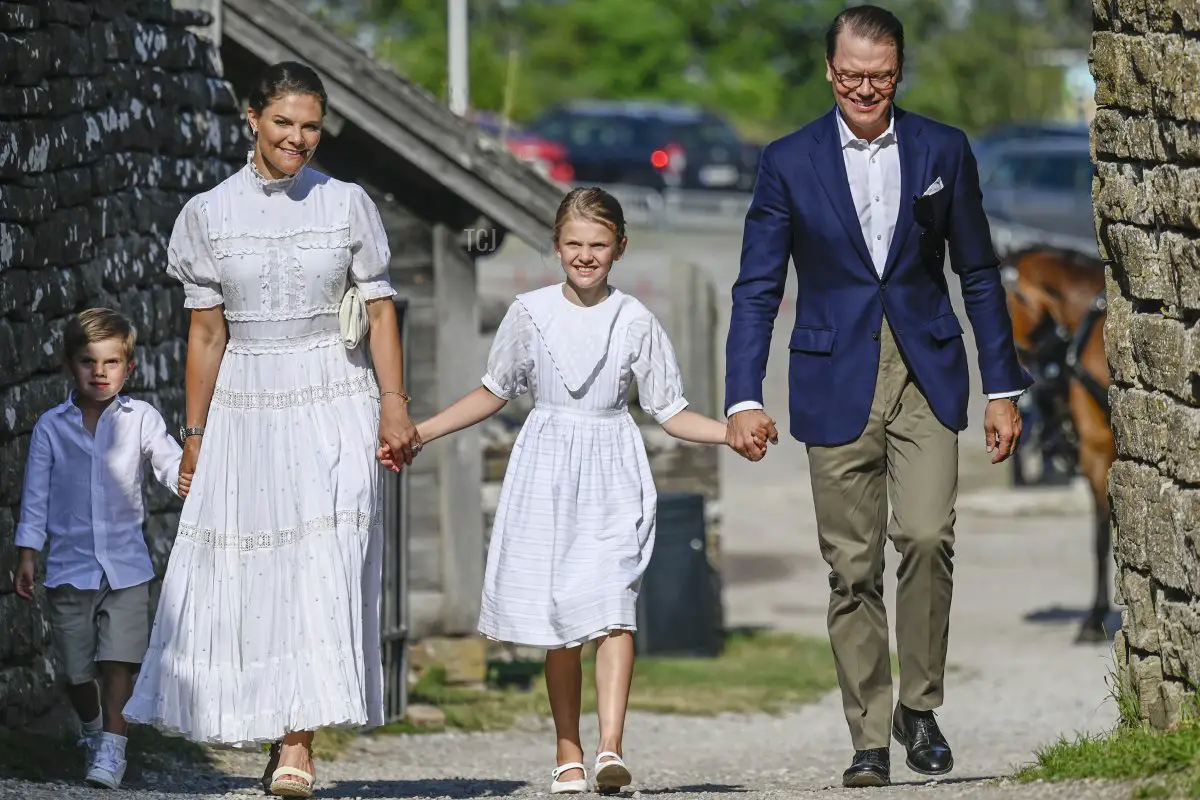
547	156
656	145
1028	130
1041	185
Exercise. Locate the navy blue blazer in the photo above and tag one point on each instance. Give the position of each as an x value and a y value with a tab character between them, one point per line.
802	208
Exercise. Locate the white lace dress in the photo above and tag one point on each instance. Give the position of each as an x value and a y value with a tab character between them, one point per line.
268	619
575	525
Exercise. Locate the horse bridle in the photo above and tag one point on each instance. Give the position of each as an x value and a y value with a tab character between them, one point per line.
1053	344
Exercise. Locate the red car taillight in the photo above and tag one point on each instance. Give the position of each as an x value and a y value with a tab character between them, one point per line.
670	158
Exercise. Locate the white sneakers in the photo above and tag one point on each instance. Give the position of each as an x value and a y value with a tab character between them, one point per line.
108	762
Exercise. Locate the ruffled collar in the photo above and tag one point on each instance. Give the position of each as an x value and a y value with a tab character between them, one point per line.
271	185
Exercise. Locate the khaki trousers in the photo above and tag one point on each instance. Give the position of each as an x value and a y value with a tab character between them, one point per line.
905	456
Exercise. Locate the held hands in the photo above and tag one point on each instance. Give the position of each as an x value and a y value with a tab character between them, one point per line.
399	441
187	465
748	432
1002	428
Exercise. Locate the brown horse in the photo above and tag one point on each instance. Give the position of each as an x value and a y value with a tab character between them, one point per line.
1056	300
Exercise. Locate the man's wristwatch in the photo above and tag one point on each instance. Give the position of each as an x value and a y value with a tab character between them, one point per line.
185	432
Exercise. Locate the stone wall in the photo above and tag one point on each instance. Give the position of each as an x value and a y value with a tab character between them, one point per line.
112	114
1146	142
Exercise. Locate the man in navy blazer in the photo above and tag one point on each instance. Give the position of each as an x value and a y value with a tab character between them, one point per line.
864	201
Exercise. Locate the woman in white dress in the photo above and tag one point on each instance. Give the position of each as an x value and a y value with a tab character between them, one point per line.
575	525
268	623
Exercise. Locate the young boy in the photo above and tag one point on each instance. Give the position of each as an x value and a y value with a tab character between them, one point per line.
83	494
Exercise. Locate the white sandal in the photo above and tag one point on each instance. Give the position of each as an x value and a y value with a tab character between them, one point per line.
282	787
568	787
611	775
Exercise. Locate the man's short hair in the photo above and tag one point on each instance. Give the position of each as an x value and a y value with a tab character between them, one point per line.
97	325
868	22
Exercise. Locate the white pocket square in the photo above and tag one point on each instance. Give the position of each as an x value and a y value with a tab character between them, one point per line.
934	187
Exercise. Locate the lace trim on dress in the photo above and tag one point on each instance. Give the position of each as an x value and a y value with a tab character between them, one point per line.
335	283
270	185
293	344
254	315
268	540
296	397
279	233
251	244
582	640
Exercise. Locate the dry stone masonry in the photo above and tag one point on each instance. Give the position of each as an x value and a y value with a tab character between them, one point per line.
1146	144
112	114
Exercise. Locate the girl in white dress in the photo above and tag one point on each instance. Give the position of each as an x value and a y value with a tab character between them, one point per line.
268	622
575	525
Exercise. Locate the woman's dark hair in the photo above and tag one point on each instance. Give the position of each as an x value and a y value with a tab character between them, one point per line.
286	77
872	23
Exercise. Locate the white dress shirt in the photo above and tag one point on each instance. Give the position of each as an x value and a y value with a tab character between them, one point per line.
873	171
84	493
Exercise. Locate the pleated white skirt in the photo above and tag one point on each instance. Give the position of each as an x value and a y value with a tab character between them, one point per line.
268	620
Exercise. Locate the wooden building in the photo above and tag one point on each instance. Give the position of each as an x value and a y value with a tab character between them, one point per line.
448	193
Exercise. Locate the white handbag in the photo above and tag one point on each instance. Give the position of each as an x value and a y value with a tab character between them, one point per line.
352	316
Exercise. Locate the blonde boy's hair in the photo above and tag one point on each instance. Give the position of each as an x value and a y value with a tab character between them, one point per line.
97	325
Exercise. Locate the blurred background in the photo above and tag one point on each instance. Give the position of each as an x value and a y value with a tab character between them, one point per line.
755	65
671	101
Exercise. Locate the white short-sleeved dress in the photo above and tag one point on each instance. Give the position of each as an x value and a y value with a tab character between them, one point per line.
575	525
268	619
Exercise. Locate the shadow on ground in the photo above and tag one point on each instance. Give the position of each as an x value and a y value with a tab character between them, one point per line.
932	781
699	788
454	787
50	757
1064	615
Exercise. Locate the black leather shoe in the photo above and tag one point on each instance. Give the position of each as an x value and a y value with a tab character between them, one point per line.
869	768
928	752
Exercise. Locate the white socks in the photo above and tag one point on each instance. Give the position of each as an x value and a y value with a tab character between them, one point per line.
115	743
95	726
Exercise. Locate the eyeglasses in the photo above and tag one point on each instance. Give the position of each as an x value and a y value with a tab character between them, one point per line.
852	80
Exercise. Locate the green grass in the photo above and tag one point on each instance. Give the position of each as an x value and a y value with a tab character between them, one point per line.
1161	763
330	743
1158	763
766	672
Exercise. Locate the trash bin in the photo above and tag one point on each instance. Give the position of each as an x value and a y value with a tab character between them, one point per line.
679	606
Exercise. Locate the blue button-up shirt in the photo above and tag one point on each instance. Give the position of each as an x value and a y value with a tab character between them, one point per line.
83	493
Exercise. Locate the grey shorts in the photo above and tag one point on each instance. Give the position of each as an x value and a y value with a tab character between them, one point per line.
104	624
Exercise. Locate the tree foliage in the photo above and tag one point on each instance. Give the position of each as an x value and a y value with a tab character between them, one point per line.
760	62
